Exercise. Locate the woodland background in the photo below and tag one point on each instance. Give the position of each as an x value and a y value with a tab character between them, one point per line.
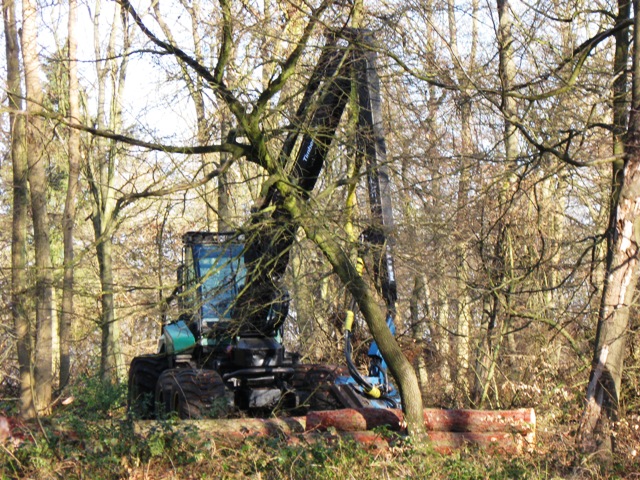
511	145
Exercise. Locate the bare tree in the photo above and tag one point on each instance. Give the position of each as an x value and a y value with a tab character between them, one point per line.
19	283
621	275
501	275
43	367
111	70
70	202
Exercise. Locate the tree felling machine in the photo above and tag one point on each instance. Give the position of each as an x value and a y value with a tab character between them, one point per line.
225	350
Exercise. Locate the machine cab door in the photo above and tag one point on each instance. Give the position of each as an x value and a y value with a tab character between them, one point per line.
220	275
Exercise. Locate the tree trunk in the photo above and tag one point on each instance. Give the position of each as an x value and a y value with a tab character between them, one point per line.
111	78
500	274
399	366
621	278
442	332
111	360
420	295
462	238
43	368
620	113
224	197
70	201
519	421
20	209
462	340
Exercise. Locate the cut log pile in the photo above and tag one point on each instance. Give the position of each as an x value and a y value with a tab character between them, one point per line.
510	431
505	431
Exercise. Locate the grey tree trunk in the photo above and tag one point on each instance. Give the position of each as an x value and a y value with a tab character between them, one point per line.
620	113
43	367
374	316
602	398
20	210
465	150
501	273
224	198
69	215
463	318
507	72
420	295
111	360
101	178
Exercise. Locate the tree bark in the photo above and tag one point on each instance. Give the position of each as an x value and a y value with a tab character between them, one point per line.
101	178
111	360
374	316
20	210
419	329
620	282
507	432
520	421
466	149
224	197
69	215
43	368
620	112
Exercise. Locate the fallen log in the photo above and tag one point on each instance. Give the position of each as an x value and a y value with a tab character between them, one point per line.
510	431
521	421
229	432
355	419
234	432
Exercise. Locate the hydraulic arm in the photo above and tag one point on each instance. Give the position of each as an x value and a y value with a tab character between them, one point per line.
324	101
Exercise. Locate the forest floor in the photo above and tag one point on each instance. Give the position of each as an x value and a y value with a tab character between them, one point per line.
91	438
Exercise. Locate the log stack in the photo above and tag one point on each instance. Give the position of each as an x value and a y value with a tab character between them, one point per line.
507	431
504	431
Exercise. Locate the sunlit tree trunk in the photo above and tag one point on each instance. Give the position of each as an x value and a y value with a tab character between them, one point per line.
621	276
465	151
43	368
501	272
20	210
463	314
224	196
101	177
345	268
620	107
70	202
419	316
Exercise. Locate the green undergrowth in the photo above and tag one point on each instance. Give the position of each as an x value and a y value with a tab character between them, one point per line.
109	450
92	439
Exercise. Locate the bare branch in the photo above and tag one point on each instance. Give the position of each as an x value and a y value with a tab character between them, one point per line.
149	192
218	86
236	149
